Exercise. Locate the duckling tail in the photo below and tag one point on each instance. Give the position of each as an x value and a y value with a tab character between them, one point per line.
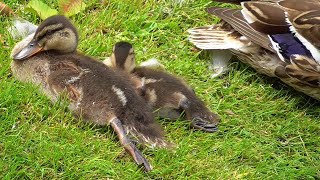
148	132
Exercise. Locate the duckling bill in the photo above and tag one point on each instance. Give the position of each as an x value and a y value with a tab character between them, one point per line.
168	95
96	93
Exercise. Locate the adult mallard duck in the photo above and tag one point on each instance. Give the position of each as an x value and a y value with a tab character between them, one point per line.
277	38
168	95
96	93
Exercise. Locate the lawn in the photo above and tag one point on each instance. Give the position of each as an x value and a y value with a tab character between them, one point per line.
267	131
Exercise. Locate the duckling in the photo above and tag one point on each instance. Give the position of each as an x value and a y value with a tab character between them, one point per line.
96	93
168	95
277	38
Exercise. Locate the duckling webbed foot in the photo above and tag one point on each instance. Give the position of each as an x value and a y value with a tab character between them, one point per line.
129	145
201	124
204	121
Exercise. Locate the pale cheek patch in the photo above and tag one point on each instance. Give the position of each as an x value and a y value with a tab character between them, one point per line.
179	97
120	95
129	64
108	62
60	42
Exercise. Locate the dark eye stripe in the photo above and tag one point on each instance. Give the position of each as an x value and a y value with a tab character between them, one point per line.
48	33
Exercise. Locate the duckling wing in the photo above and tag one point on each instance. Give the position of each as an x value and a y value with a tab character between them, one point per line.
64	79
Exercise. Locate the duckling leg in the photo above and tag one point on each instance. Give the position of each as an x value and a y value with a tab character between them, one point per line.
128	145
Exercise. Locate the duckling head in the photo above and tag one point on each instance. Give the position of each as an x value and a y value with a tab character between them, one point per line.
123	56
55	33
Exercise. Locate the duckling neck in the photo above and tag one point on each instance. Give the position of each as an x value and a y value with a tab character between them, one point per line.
54	52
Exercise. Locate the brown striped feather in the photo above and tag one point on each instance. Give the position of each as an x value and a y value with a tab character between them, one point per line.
308	25
239	1
304	69
301	73
299	5
219	36
236	20
304	17
265	17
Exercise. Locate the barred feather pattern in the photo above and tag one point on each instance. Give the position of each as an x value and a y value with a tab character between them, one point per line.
251	47
301	79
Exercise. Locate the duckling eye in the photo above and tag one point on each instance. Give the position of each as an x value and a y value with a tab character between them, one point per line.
49	32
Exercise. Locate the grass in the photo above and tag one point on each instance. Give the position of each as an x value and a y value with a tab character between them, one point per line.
267	131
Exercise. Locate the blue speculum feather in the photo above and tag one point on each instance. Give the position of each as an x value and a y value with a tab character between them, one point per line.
289	45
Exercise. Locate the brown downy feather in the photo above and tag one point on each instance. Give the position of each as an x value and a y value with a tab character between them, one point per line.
96	93
168	95
136	116
172	92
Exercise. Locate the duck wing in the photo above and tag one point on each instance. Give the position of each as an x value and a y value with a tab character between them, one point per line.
230	1
219	36
304	69
237	21
265	17
239	1
298	19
